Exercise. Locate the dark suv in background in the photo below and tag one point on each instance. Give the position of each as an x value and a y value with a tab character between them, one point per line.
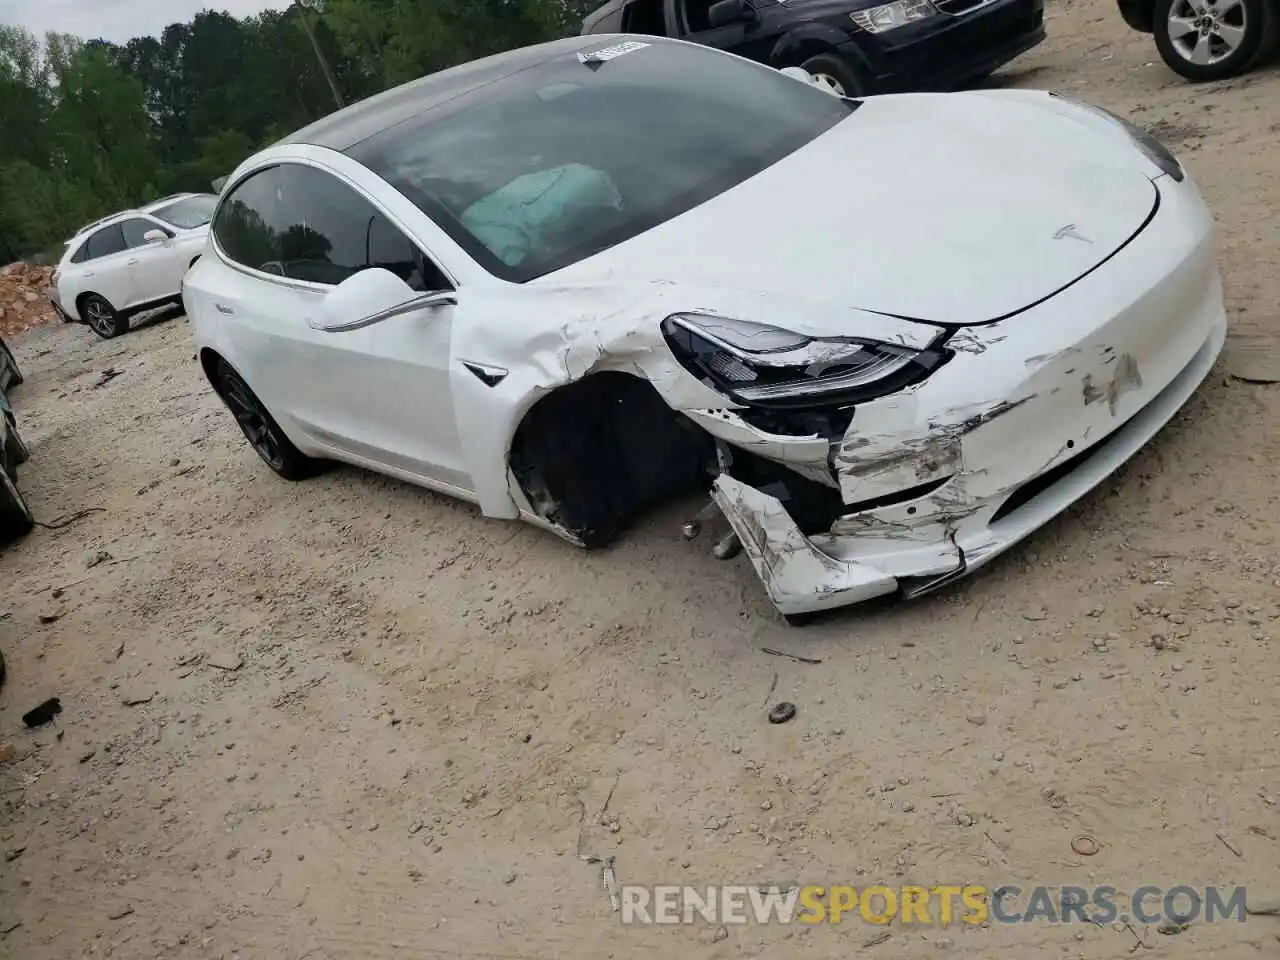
855	47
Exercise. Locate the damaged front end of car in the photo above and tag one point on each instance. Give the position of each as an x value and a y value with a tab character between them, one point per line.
880	469
785	480
892	461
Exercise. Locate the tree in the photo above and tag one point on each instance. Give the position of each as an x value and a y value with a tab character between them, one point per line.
88	127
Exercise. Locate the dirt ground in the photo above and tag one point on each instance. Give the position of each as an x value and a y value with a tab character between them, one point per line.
351	719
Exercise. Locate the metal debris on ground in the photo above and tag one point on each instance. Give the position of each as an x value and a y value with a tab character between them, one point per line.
773	685
1085	846
608	874
1229	845
796	658
782	712
608	877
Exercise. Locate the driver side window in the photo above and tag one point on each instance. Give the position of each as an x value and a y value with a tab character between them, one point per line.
135	231
697	16
296	221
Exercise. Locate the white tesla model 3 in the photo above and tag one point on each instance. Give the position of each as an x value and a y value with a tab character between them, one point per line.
892	336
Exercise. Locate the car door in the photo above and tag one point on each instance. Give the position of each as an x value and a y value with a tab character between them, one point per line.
155	264
378	394
105	270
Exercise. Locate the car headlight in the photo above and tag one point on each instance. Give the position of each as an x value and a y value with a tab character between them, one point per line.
760	365
890	16
1153	149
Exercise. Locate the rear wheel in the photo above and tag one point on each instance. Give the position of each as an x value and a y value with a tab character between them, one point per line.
834	74
1206	40
261	429
102	318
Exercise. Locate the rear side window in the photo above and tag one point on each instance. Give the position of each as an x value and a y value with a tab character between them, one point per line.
105	242
82	254
299	222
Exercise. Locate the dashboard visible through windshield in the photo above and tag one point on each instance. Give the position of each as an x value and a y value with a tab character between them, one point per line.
560	161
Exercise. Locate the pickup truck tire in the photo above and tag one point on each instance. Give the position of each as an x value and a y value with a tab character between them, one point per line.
836	74
1255	44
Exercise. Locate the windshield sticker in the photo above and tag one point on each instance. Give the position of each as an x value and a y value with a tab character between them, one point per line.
606	54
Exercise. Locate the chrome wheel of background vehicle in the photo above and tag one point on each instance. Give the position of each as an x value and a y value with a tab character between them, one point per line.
1206	32
1205	40
261	429
830	82
834	74
101	317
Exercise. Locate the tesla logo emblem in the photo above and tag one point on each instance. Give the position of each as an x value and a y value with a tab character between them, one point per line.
1069	232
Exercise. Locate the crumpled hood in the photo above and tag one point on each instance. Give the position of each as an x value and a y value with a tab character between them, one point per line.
947	208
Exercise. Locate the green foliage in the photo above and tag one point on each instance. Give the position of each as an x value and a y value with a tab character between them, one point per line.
87	128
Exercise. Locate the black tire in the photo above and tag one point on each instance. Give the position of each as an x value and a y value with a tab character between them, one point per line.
16	452
836	73
101	317
15	516
261	429
13	365
1257	43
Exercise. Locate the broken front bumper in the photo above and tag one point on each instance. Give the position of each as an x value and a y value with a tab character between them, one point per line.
1033	413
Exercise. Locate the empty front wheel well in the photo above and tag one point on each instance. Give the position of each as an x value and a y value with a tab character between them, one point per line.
592	455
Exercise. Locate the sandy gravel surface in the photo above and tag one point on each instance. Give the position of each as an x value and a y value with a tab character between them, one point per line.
352	719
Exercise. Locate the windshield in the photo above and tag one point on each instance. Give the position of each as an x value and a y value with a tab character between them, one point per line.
552	164
189	212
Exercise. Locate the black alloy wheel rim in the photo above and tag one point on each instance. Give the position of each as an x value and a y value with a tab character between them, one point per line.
252	419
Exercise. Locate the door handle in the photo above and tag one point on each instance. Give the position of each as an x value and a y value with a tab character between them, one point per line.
222	308
132	262
88	273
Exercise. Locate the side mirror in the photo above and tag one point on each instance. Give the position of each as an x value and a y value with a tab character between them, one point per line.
371	296
155	236
726	12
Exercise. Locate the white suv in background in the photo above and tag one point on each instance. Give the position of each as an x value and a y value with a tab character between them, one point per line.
132	261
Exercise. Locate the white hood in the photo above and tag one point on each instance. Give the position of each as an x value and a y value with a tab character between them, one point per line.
950	208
